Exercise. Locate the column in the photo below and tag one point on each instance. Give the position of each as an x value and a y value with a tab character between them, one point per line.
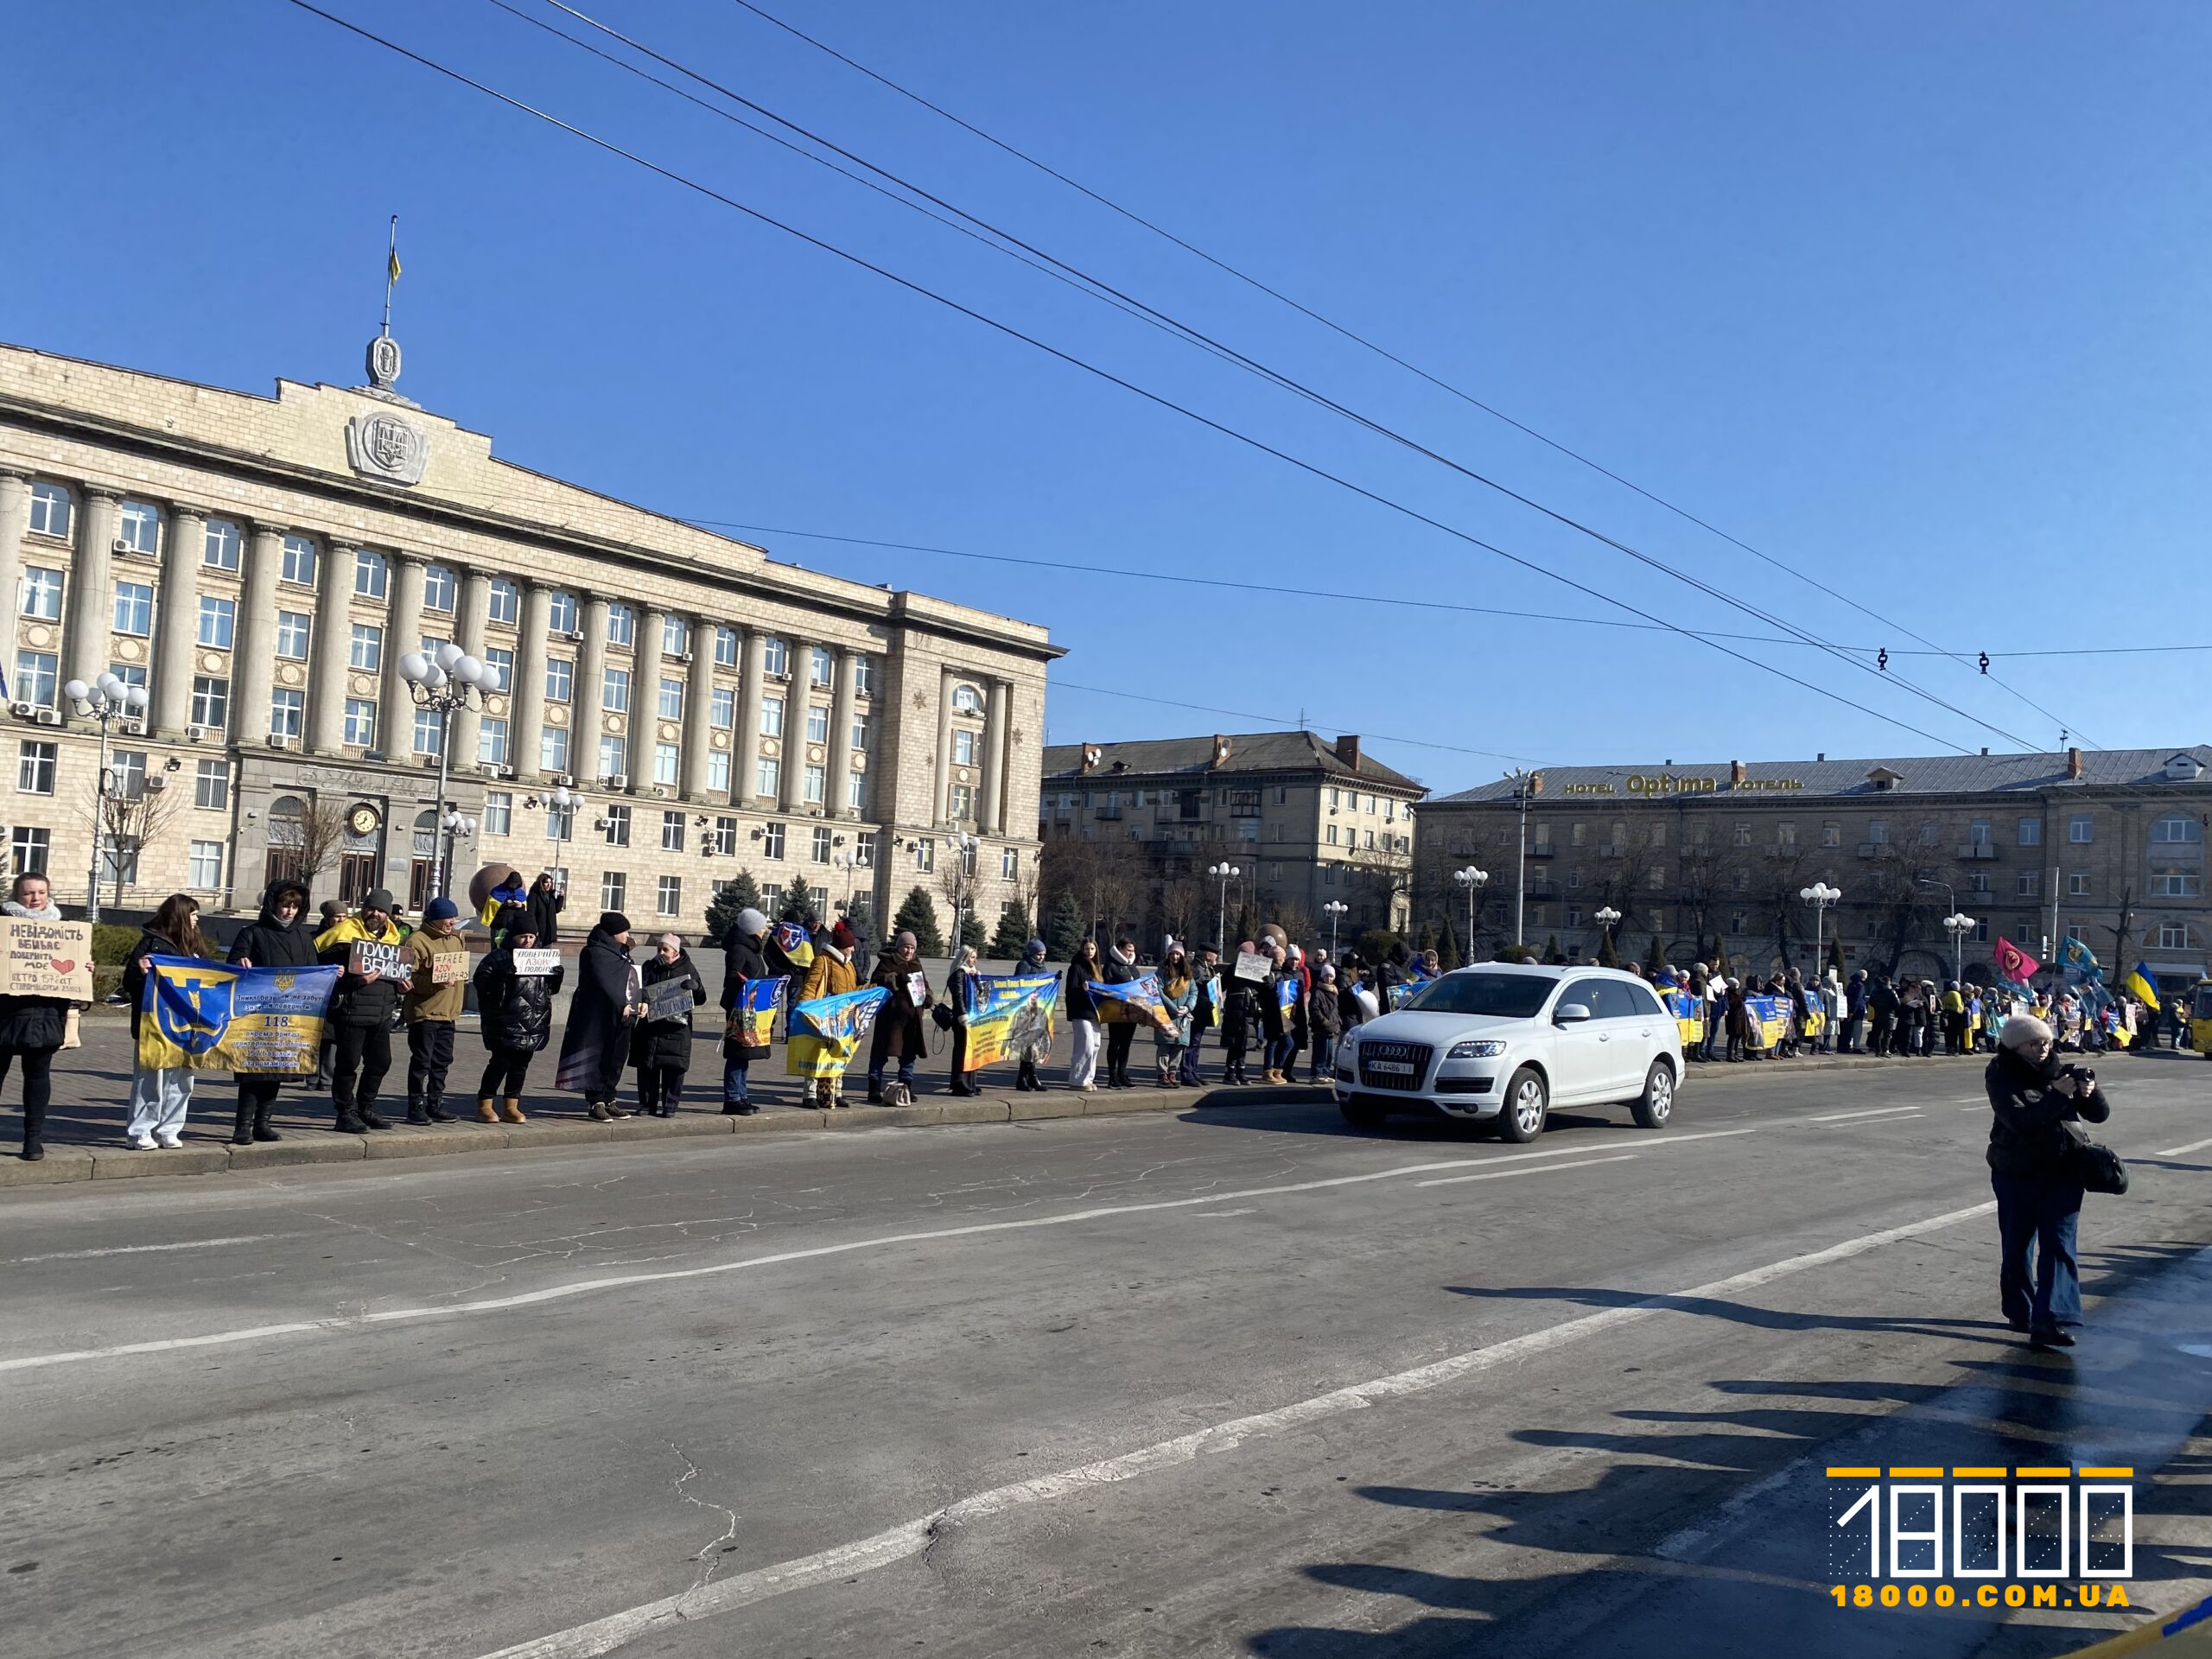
753	649
529	706
476	603
403	633
176	622
15	524
941	812
327	665
989	817
253	665
591	692
91	598
841	733
698	710
799	697
646	662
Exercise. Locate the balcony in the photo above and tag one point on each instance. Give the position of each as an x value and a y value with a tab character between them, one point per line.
1977	850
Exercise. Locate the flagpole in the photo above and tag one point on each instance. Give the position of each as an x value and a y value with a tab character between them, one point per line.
391	271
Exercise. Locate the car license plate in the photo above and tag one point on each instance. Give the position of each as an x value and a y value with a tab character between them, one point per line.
1395	1068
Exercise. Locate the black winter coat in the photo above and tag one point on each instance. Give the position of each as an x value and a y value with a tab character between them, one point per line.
667	1043
516	1009
2025	1139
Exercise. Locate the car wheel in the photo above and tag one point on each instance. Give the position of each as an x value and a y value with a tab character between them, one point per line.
1522	1117
1362	1117
1657	1104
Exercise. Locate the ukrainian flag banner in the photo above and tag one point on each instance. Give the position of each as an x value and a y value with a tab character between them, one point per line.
826	1032
203	1016
753	1017
1009	1014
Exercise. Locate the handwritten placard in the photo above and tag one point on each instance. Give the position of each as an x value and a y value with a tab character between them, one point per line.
46	959
385	961
535	964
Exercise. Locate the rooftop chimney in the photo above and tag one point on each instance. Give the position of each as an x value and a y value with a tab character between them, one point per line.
2073	763
1348	752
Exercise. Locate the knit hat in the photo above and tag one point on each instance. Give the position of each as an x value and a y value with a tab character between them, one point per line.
613	921
440	909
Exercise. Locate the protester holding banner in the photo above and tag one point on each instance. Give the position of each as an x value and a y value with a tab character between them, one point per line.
952	1014
596	1045
1082	1017
32	1028
744	963
1120	1036
159	1095
661	1050
899	1034
515	987
367	947
437	990
279	937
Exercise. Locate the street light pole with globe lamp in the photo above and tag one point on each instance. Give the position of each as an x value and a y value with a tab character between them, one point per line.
1472	882
1225	874
446	679
1820	896
107	700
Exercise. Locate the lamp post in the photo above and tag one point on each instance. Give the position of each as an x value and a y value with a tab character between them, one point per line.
1958	926
449	678
1820	896
1333	910
107	700
1472	882
1606	917
1223	873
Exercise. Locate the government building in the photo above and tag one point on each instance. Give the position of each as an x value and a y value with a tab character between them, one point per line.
2107	845
661	708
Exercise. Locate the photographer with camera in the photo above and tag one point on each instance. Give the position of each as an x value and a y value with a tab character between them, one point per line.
2040	1164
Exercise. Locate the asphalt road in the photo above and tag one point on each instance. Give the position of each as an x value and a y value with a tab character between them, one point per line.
1234	1382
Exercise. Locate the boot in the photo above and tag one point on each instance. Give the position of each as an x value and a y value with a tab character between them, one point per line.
511	1109
484	1111
242	1132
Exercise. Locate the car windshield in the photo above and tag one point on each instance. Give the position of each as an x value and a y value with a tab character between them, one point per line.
1508	996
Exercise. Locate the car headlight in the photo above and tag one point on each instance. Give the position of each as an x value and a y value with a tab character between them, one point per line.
1484	1049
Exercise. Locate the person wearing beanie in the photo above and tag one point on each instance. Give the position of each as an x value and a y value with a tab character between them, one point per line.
361	1009
435	994
596	1047
742	960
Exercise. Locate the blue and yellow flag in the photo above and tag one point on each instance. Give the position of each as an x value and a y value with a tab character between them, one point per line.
2139	985
203	1016
826	1032
1009	1014
1132	1003
752	1022
796	944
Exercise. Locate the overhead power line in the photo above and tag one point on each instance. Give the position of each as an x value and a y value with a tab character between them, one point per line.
1369	345
1194	336
1311	468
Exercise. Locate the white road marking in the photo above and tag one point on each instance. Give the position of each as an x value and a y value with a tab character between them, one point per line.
1541	1169
624	1281
911	1538
1877	1111
2176	1152
146	1249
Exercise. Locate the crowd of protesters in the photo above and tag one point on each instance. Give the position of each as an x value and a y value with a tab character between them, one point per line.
1289	1006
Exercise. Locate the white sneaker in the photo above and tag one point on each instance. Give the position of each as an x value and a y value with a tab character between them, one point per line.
168	1142
140	1143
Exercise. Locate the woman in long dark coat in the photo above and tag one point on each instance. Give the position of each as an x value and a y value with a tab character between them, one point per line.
596	1046
661	1050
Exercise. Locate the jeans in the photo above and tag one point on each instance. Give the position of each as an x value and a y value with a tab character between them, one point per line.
2038	1218
158	1102
736	1084
429	1054
1324	1060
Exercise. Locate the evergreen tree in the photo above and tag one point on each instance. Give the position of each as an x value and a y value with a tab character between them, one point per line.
1657	959
917	916
1066	930
737	894
1608	956
796	904
1553	954
1013	936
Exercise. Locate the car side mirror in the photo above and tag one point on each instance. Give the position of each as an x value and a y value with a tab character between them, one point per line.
1571	1013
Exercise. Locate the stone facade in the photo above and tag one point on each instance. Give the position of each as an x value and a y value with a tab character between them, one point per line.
262	565
2107	845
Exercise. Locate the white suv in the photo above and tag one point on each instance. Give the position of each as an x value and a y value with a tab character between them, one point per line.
1502	1042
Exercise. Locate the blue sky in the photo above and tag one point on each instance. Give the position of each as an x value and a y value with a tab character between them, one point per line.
1910	298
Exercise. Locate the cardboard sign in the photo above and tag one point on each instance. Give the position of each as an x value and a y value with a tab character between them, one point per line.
387	961
46	959
670	998
535	964
449	967
1251	965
